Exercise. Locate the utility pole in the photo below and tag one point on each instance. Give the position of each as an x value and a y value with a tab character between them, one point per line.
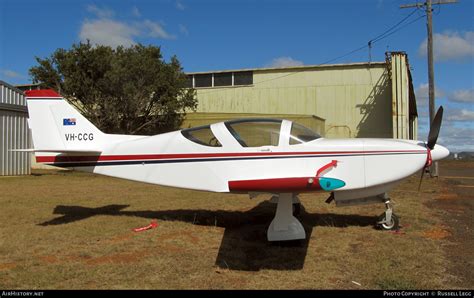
429	25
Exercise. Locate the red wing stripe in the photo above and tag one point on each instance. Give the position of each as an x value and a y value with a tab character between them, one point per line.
199	155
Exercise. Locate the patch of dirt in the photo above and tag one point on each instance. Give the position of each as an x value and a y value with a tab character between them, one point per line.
7	266
179	235
119	258
49	259
120	238
455	209
78	258
171	248
436	233
447	194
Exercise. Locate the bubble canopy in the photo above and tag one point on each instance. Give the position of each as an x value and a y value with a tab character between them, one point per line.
253	132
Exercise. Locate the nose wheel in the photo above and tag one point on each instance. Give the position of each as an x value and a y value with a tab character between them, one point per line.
388	220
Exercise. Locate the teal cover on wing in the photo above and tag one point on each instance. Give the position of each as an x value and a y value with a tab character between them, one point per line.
331	183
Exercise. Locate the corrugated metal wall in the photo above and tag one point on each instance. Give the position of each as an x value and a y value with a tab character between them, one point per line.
14	132
404	118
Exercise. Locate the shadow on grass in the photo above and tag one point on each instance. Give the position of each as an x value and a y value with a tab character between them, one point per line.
244	245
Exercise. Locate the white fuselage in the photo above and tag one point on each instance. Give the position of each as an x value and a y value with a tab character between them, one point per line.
171	159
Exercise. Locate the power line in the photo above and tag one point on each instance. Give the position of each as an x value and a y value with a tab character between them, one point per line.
413	21
381	36
378	38
343	56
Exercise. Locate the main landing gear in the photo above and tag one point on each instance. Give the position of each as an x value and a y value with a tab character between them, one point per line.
284	225
388	220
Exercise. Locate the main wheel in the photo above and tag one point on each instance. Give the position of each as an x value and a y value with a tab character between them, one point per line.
392	225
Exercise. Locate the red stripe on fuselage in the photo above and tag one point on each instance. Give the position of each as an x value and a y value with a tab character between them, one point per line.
94	158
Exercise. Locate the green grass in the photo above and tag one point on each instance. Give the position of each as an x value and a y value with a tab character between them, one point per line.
70	230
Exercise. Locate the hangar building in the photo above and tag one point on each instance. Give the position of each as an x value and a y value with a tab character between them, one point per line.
14	132
342	100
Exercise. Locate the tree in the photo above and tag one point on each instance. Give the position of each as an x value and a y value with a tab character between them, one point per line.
123	90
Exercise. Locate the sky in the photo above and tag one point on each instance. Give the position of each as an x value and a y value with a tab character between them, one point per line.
217	35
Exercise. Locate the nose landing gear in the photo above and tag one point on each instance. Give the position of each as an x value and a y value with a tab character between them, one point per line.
388	220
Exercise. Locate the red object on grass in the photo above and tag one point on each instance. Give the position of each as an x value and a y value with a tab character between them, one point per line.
152	225
398	232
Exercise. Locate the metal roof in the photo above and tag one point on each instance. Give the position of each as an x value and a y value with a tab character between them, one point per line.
295	68
11	87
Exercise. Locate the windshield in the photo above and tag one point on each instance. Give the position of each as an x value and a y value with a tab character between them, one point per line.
255	132
300	134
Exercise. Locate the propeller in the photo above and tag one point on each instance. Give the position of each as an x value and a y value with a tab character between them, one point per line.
432	138
434	128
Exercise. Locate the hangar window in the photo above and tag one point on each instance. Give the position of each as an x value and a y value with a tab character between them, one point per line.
202	135
243	78
255	132
223	79
203	80
300	134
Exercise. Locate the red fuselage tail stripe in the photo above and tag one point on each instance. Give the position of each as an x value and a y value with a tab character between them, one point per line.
95	158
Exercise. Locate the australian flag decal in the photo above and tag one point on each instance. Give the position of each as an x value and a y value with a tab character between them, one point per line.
69	121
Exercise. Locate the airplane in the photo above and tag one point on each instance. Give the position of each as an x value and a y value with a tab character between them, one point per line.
250	156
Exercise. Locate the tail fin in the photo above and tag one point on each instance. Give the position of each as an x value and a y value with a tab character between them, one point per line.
58	127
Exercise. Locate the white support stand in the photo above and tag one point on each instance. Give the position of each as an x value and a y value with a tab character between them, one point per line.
285	226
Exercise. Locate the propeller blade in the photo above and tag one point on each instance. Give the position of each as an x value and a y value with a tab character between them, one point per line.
421	178
434	128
